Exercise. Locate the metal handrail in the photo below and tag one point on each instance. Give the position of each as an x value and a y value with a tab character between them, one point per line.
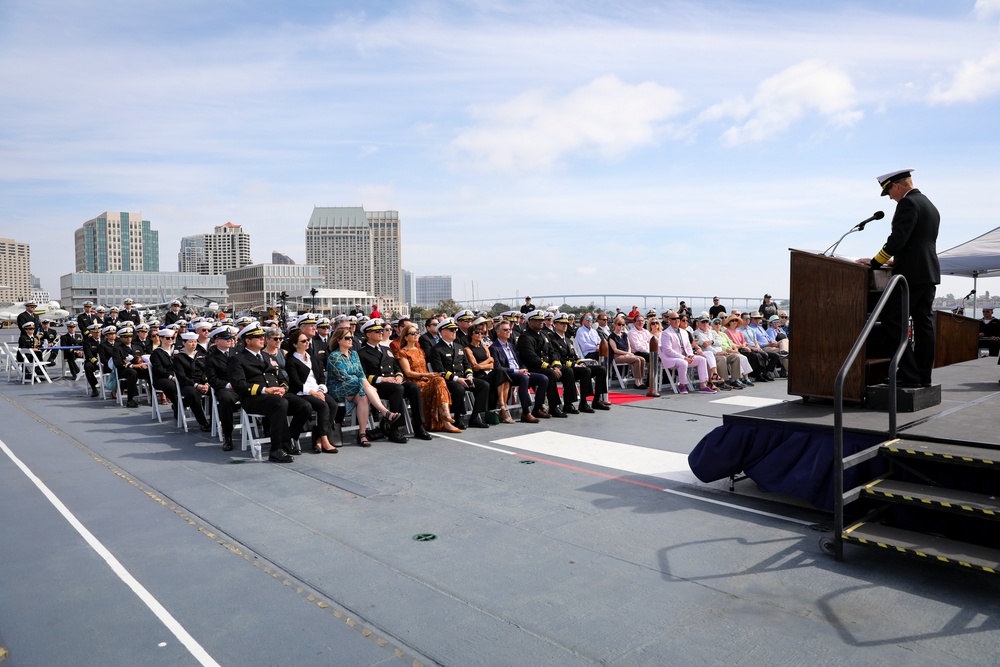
838	398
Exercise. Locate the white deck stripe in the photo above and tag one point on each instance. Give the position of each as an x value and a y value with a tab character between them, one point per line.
196	650
607	454
748	401
611	446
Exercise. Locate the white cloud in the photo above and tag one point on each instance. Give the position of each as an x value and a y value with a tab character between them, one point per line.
535	130
974	80
786	97
985	9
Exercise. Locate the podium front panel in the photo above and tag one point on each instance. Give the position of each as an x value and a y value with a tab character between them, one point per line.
828	310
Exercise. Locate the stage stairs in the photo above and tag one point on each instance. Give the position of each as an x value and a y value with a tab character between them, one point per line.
939	501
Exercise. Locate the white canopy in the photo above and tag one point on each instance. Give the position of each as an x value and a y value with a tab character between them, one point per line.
975	258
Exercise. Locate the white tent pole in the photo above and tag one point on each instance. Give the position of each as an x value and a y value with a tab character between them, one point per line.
975	291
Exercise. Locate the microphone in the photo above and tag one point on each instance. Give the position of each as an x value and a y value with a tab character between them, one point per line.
966	297
878	215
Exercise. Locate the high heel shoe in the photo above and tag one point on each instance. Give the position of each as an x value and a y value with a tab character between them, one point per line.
450	428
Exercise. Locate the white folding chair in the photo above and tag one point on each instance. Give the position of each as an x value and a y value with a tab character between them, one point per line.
182	418
253	438
14	366
154	403
32	366
116	383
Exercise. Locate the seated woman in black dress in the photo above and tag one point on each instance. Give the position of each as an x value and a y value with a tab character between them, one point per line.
483	367
166	365
307	381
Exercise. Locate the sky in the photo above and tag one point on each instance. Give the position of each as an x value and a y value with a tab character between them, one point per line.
628	147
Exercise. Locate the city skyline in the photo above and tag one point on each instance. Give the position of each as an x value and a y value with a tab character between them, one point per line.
656	147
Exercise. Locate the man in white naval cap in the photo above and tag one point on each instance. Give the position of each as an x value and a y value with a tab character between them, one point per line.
912	245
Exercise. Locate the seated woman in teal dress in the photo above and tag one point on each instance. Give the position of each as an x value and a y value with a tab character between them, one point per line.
347	383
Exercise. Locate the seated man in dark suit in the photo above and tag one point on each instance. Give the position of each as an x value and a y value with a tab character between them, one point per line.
506	358
383	374
429	338
449	358
217	376
989	328
262	392
535	351
72	338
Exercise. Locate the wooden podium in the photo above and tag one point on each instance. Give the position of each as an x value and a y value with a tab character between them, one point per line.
830	300
957	338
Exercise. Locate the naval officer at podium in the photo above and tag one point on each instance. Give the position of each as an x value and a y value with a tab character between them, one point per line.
913	246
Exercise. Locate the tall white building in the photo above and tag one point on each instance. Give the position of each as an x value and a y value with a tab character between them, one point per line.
15	271
358	250
226	249
117	241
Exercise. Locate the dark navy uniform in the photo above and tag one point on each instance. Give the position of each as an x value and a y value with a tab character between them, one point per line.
124	358
68	340
91	361
535	351
573	372
250	376
188	372
217	375
377	363
913	245
450	359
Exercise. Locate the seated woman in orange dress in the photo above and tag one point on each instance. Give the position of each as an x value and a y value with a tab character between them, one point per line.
433	390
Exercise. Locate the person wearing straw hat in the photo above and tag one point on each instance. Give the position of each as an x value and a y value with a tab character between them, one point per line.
912	246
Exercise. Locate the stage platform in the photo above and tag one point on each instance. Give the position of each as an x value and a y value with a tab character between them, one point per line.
787	447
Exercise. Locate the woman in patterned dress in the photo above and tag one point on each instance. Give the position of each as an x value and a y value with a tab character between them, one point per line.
347	383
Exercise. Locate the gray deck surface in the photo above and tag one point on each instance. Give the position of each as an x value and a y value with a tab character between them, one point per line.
562	562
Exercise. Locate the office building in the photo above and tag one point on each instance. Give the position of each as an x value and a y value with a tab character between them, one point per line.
432	290
257	286
280	258
409	289
15	271
225	249
144	287
115	241
359	250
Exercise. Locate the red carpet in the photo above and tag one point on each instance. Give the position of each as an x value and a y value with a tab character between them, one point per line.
618	399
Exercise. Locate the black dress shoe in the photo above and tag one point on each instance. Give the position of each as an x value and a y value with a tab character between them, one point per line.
93	393
460	423
376	433
394	436
558	413
279	456
585	407
421	434
477	422
206	428
601	405
570	410
295	448
227	444
131	404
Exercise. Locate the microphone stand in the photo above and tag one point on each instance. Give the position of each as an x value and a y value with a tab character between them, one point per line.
856	228
829	251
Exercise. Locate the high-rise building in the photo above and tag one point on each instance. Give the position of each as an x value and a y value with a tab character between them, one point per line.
116	241
280	258
409	293
387	270
358	250
432	290
227	248
15	271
